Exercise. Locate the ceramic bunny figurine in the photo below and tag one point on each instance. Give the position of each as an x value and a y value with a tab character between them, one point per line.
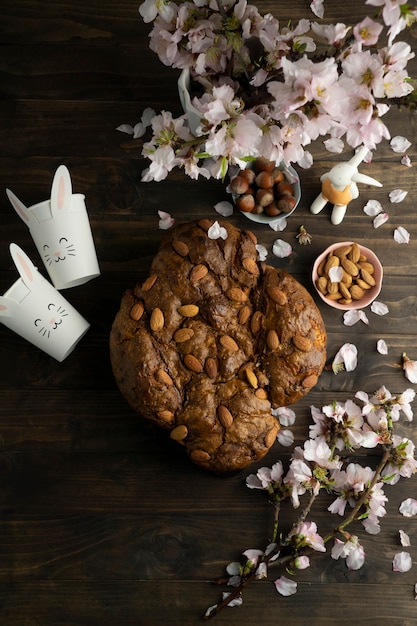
61	231
36	311
339	186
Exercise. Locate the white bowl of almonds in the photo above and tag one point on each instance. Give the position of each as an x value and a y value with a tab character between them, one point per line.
347	276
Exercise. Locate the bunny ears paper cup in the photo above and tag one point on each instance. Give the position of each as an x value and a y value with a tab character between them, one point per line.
61	231
36	311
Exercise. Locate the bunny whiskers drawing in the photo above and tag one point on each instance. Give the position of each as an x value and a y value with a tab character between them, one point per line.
61	231
36	311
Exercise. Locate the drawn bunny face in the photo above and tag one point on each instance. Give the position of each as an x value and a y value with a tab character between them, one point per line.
61	231
36	311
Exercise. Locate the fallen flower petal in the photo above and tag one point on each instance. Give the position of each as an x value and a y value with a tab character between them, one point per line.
224	208
262	252
302	562
286	416
379	308
381	346
397	195
216	231
281	248
372	208
404	539
400	143
409	367
354	315
406	161
235	602
402	562
401	235
408	507
380	219
285	586
165	220
285	437
334	145
336	274
278	225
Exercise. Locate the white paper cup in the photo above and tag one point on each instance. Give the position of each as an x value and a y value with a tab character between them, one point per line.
36	311
62	233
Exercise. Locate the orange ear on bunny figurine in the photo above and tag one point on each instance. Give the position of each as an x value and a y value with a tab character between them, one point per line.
339	186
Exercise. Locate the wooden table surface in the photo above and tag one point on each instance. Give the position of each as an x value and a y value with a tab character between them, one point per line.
102	519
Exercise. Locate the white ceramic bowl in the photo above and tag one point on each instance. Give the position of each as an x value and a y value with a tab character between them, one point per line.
293	178
370	294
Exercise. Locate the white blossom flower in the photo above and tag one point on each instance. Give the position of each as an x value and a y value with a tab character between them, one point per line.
402	562
351	550
346	358
401	235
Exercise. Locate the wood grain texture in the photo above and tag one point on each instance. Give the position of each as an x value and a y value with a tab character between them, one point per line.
103	521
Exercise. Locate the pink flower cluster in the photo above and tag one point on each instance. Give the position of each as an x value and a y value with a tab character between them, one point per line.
265	90
322	463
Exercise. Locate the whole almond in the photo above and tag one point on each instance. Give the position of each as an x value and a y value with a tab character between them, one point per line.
277	295
234	293
256	322
229	343
332	261
320	269
309	381
179	432
322	284
356	292
350	267
157	320
270	437
250	265
183	334
332	287
224	415
205	224
272	339
367	266
163	377
210	367
355	254
344	290
180	247
368	278
261	394
149	282
342	251
198	272
166	416
244	314
192	363
334	296
346	278
361	283
302	343
188	310
199	456
136	311
251	378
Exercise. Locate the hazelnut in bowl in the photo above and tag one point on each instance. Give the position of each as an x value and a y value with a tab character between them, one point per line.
347	276
265	192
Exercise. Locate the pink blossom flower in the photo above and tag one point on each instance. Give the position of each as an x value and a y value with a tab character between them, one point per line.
351	550
302	562
346	358
306	534
409	368
367	31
